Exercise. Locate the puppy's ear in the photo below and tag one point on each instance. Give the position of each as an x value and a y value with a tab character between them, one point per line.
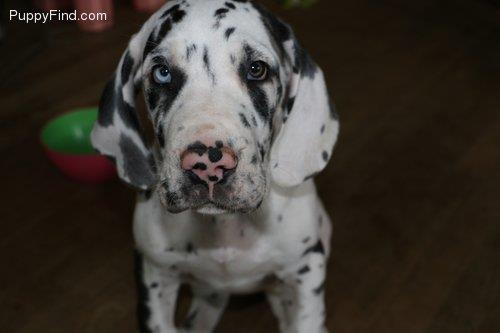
309	125
117	132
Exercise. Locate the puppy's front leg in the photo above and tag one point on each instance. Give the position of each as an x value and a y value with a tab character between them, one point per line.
298	299
206	309
157	290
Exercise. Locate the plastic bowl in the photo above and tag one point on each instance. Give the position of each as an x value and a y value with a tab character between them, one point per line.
66	141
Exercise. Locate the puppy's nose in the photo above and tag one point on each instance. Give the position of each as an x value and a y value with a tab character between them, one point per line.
210	163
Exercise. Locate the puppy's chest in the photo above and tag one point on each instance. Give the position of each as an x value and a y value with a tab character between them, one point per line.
227	252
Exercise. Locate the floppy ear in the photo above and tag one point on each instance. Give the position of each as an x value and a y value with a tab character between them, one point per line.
117	132
309	127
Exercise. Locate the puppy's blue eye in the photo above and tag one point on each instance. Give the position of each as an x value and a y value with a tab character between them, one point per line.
257	71
161	74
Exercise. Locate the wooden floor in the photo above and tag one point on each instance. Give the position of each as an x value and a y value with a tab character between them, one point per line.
413	189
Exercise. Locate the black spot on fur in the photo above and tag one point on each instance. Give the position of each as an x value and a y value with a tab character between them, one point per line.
257	94
215	300
254	159
190	50
259	100
319	289
178	15
170	10
311	176
189	321
221	13
219	144
254	121
324	154
230	5
316	248
280	218
150	45
152	97
322	129
127	65
229	32
147	194
289	104
143	310
244	120
262	151
175	13
161	136
279	90
305	240
154	285
206	63
165	28
169	92
172	198
333	110
304	269
190	248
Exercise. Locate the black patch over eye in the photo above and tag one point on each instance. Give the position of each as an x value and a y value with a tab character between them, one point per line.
161	74
257	71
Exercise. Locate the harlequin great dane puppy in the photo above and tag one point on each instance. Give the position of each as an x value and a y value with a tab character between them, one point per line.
227	204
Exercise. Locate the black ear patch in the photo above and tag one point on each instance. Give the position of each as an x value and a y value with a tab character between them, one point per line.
303	62
278	31
128	64
137	163
112	100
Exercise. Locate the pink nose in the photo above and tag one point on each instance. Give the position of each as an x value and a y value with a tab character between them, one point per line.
209	163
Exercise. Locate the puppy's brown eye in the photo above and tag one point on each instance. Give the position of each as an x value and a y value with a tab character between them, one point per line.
257	71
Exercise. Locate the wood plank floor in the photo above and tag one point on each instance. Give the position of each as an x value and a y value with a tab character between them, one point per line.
413	188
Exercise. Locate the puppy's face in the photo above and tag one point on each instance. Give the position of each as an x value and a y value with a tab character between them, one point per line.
213	84
220	80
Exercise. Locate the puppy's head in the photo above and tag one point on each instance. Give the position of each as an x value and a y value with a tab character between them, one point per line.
234	100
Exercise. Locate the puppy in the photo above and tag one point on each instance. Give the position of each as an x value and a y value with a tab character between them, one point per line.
226	201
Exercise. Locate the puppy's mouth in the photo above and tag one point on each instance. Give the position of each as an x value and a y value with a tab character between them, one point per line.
210	209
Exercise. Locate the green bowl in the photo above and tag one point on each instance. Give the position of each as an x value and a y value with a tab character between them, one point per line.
66	141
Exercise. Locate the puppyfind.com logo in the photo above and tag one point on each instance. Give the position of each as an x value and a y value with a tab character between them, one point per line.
55	15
